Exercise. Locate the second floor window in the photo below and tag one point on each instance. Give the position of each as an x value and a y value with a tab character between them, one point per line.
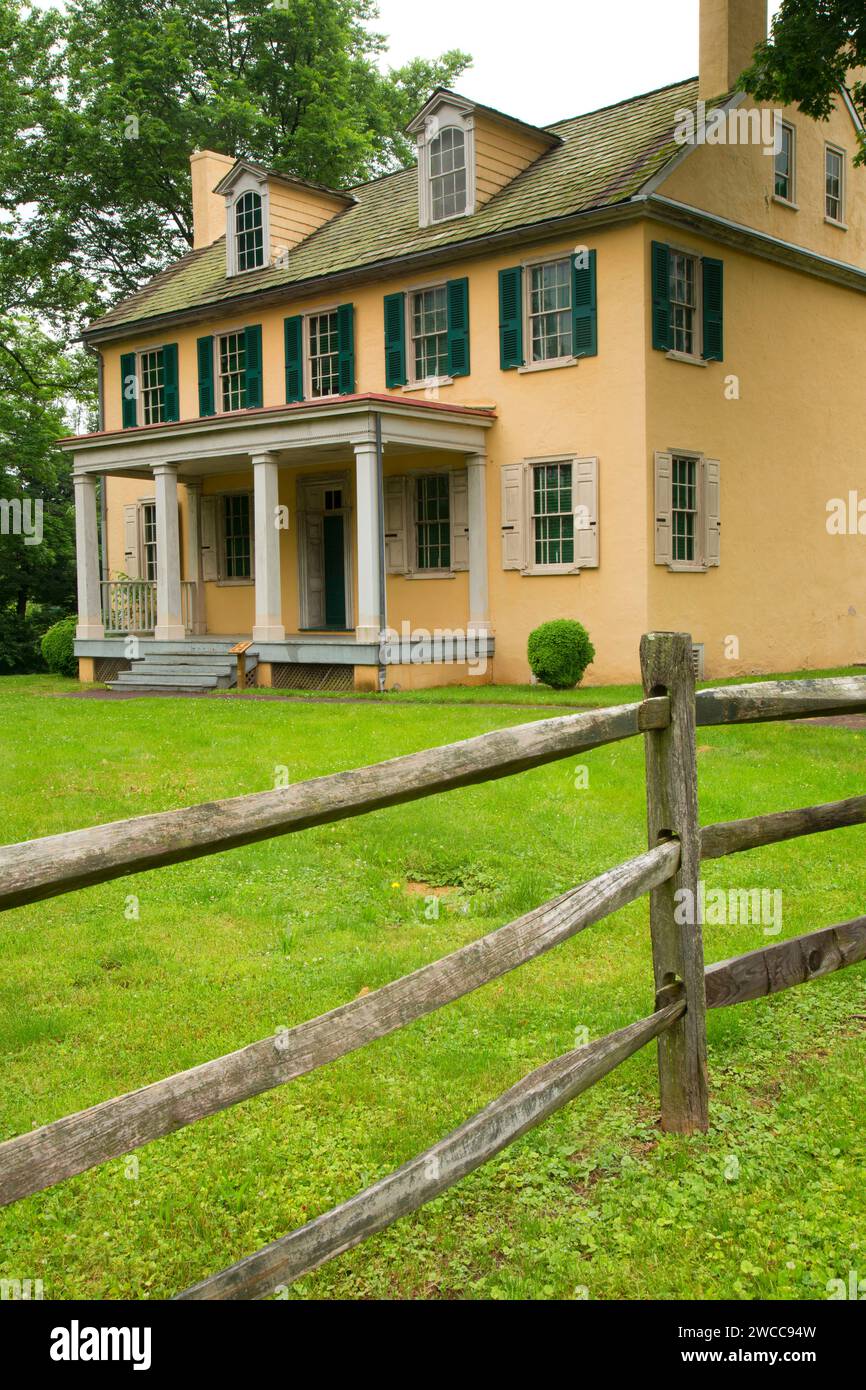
151	366
324	349
429	326
550	311
433	522
447	174
684	302
232	362
784	169
249	231
834	176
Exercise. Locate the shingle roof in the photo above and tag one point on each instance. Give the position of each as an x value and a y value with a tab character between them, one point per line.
605	157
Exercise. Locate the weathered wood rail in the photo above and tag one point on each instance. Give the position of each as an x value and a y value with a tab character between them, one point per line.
684	987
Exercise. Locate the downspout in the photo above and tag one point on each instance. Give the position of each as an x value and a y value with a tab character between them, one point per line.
380	502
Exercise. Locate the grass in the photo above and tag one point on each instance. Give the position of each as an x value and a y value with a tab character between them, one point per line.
102	991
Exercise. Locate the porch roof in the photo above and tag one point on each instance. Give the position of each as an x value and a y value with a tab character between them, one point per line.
321	429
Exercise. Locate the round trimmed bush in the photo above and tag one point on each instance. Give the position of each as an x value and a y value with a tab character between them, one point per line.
559	653
57	648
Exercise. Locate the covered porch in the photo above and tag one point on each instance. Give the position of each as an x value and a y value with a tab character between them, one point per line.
281	527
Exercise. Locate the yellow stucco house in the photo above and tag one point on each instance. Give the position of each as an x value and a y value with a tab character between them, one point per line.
603	370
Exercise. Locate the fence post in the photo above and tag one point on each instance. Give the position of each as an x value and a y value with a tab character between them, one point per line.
675	916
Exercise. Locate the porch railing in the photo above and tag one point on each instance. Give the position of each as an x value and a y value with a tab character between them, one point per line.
129	605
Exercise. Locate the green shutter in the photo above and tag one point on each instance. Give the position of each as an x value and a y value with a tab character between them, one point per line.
457	293
583	298
511	318
713	306
169	377
346	348
205	376
293	332
395	340
661	290
129	390
253	360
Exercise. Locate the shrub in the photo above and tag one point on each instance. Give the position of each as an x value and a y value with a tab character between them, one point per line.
559	653
57	648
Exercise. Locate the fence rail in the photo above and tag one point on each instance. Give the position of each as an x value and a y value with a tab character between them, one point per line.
129	605
684	987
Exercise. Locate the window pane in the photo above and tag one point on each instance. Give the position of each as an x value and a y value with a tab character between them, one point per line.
552	514
550	327
429	317
447	174
152	386
684	509
433	522
784	164
236	526
148	529
324	354
249	233
683	302
232	371
834	185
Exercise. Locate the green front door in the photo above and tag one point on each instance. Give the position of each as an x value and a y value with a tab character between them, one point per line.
335	572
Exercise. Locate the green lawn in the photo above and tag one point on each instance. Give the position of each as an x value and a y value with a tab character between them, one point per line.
769	1204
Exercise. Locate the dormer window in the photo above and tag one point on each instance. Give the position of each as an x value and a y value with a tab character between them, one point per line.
447	174
249	232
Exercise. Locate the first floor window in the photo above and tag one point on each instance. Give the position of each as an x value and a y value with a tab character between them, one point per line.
232	363
684	302
834	177
429	313
785	165
433	522
249	231
552	514
148	540
151	367
324	354
684	509
237	536
550	320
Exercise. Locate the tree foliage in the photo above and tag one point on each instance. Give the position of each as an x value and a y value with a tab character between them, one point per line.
817	48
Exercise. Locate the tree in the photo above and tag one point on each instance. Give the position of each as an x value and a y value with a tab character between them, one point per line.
37	548
107	99
817	48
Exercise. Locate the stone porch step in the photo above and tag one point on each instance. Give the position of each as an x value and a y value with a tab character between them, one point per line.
143	680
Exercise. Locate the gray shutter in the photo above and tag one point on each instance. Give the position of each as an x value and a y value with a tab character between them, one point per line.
209	552
513	557
396	539
131	543
460	520
663	472
585	501
712	512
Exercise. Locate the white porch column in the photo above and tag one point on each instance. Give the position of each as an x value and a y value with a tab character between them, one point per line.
87	558
169	618
269	599
193	553
479	611
369	544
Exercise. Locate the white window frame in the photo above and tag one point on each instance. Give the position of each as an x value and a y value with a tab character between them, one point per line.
569	360
700	513
414	383
247	182
698	309
144	503
446	114
791	201
139	384
219	408
308	359
430	572
530	465
223	579
829	149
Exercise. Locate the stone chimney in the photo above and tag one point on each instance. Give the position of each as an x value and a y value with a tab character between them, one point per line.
208	208
730	32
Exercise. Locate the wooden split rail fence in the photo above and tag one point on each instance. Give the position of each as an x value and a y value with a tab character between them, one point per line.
684	987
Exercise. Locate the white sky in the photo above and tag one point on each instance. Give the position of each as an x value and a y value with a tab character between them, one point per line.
544	60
